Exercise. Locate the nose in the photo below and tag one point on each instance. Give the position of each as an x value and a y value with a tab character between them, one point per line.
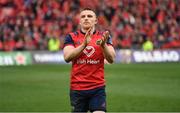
86	17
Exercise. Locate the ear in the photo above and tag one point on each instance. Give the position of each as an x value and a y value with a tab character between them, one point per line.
96	21
80	23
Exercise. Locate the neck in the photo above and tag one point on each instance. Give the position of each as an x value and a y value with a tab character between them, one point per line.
85	30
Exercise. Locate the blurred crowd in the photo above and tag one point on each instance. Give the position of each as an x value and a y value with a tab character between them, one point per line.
38	24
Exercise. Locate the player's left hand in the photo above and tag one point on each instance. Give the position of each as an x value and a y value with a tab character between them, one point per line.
104	38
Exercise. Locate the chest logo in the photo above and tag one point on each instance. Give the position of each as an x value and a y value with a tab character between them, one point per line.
89	50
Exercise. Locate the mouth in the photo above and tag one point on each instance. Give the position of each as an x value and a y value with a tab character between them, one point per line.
86	23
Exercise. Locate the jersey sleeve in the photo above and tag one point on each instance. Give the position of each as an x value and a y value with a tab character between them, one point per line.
109	40
68	40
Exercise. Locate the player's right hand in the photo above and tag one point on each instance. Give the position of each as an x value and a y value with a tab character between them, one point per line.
87	37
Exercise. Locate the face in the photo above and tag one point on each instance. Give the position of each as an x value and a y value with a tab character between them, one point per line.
87	19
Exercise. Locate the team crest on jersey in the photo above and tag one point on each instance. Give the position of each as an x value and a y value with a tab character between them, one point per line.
89	50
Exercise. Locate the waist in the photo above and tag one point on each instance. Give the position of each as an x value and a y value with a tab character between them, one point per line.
86	86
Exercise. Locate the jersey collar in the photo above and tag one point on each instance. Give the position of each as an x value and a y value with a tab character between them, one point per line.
85	33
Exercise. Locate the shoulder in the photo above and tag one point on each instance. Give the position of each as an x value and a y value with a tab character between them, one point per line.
69	38
73	34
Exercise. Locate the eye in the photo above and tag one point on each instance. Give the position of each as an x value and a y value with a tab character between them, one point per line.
83	16
90	16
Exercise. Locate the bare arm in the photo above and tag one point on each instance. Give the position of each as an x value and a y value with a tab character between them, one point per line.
109	52
71	52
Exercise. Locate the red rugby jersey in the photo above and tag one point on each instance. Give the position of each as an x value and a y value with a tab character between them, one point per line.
88	68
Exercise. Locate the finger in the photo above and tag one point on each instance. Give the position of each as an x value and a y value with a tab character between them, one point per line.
89	29
107	33
99	42
103	38
102	41
88	32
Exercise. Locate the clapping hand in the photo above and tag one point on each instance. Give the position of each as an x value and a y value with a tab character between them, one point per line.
103	40
88	36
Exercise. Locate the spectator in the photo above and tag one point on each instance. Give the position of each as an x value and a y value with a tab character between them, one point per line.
19	44
53	44
127	19
147	45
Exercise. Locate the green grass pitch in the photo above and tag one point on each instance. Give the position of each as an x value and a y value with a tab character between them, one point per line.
130	88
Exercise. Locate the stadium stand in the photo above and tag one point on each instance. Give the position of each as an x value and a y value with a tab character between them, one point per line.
29	24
